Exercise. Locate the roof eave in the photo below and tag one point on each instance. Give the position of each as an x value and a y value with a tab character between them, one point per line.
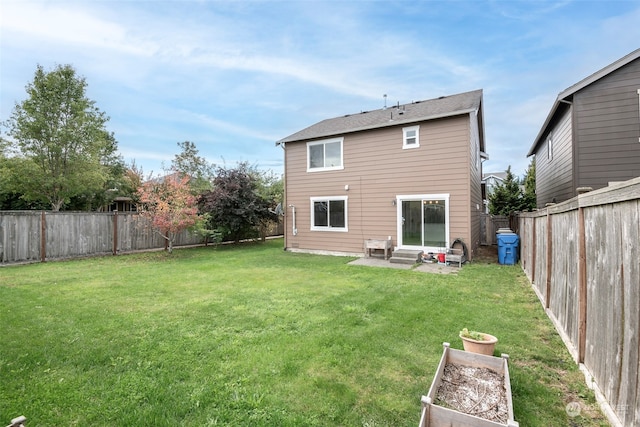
600	74
543	130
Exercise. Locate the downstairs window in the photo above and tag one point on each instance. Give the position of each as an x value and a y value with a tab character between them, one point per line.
329	213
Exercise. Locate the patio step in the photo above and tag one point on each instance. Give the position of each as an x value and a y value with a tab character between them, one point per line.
406	256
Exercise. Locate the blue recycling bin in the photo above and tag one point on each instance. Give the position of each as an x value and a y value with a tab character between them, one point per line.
508	248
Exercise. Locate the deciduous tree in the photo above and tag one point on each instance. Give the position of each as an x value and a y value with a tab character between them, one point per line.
168	206
235	204
271	188
62	134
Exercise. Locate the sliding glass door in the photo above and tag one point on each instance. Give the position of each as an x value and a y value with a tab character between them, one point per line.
423	221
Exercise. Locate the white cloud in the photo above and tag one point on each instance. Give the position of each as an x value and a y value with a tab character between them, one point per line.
67	24
527	10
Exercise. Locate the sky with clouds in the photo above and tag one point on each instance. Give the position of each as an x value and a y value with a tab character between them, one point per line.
234	77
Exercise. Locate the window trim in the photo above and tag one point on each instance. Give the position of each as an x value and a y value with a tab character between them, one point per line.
405	137
323	142
550	148
329	199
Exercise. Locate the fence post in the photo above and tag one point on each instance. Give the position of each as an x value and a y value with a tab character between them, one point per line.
43	237
115	232
582	286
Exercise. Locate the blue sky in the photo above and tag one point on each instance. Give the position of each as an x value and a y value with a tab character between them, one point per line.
236	76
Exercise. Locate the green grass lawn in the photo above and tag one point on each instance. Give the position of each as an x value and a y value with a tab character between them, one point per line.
252	335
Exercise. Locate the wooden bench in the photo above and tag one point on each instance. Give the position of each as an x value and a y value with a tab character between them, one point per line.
377	244
455	255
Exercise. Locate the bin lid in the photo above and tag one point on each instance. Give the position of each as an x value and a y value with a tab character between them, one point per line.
509	238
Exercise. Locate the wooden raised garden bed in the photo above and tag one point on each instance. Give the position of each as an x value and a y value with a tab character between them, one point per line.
469	390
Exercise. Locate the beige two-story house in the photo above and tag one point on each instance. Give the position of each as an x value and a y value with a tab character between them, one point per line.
410	173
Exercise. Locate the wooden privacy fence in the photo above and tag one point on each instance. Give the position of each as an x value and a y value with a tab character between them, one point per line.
583	260
27	236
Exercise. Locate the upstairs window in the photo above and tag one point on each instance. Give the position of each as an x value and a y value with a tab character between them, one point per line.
550	148
329	213
411	137
324	155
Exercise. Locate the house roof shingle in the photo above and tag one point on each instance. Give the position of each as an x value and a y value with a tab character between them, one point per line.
403	114
566	94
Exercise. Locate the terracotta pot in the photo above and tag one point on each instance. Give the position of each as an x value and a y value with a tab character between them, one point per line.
485	346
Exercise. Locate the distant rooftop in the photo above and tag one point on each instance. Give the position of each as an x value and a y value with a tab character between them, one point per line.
500	175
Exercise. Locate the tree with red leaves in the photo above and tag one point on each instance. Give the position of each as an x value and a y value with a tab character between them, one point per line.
168	206
235	206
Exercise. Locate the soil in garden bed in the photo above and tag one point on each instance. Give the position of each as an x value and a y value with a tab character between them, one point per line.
473	391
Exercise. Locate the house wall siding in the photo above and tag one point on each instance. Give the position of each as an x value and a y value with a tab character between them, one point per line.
475	183
554	178
377	169
607	129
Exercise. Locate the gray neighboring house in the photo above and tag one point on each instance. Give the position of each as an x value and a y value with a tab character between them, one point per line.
591	136
410	174
490	181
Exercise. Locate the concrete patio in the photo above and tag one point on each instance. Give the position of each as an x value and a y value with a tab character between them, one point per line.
426	267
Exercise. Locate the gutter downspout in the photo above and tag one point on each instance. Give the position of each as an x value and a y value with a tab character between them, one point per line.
294	230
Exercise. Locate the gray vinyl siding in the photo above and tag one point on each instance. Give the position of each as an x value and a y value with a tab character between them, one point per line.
377	169
607	128
554	178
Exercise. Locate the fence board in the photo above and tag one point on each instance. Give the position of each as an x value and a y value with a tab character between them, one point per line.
527	251
564	277
541	256
628	403
604	268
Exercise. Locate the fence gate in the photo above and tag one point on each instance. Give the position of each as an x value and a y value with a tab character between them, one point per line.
489	224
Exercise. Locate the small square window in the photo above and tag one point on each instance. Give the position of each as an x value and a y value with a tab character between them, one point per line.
411	137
